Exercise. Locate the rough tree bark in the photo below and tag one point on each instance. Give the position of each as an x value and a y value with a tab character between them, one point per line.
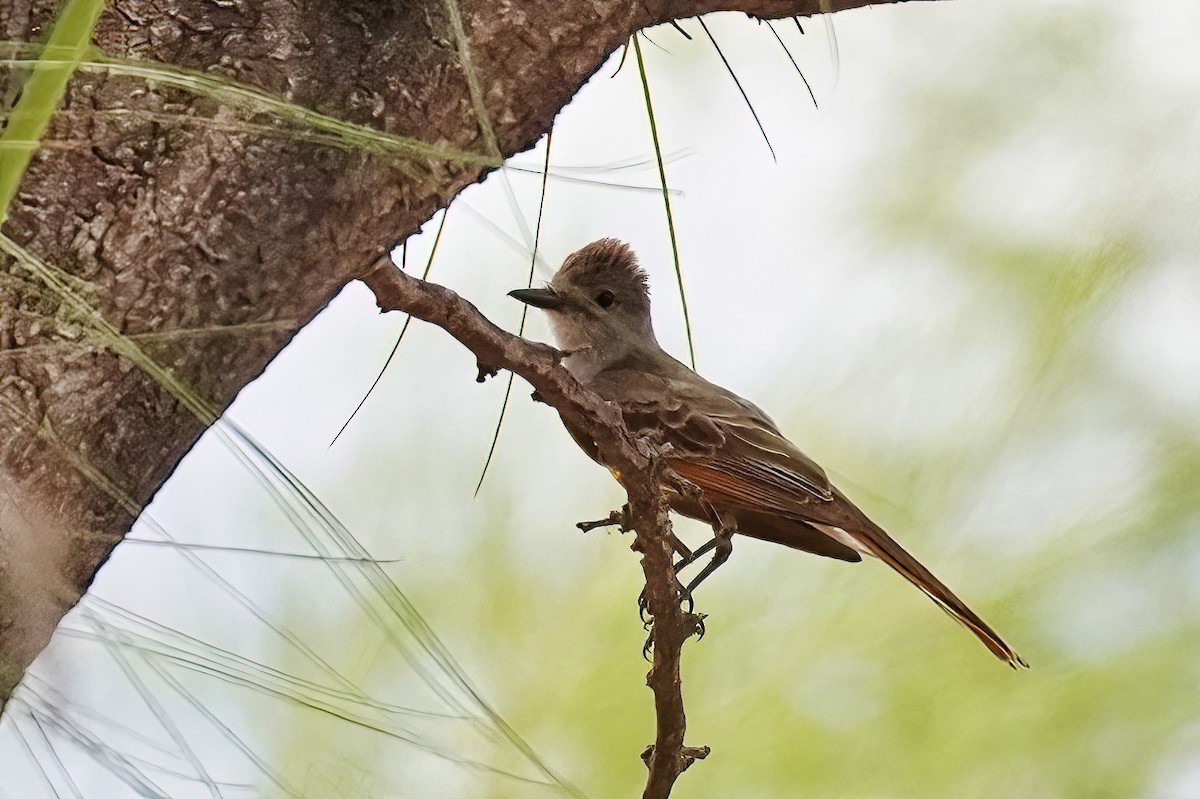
210	235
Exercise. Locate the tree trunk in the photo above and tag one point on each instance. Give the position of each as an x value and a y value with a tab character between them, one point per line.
207	226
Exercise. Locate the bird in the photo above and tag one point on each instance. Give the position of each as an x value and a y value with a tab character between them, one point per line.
732	465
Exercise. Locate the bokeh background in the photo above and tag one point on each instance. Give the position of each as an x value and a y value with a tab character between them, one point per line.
968	287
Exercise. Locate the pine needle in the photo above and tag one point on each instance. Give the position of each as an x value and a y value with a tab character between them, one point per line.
831	39
662	177
537	232
43	91
779	39
675	24
621	63
738	83
129	539
403	330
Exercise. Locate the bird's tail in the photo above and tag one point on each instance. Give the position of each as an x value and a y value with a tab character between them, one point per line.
882	546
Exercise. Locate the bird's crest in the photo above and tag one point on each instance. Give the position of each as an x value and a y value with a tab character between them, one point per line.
601	261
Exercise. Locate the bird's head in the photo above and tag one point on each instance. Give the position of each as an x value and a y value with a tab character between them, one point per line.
599	299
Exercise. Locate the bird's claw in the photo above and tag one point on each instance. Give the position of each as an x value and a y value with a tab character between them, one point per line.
698	630
644	610
686	601
685	595
690	754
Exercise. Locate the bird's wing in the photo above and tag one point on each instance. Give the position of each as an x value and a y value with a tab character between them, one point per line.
757	452
754	458
707	424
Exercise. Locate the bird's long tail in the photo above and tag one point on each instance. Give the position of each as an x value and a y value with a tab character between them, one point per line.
882	546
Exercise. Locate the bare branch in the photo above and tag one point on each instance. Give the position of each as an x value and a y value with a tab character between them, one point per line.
634	459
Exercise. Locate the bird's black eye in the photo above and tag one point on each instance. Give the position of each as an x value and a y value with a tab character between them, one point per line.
605	298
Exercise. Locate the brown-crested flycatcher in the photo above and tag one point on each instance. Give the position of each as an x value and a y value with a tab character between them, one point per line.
736	470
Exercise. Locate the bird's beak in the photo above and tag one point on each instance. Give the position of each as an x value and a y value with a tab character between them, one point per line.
538	298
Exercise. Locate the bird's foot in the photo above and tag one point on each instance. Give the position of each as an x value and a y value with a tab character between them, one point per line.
686	601
721	546
690	755
698	630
